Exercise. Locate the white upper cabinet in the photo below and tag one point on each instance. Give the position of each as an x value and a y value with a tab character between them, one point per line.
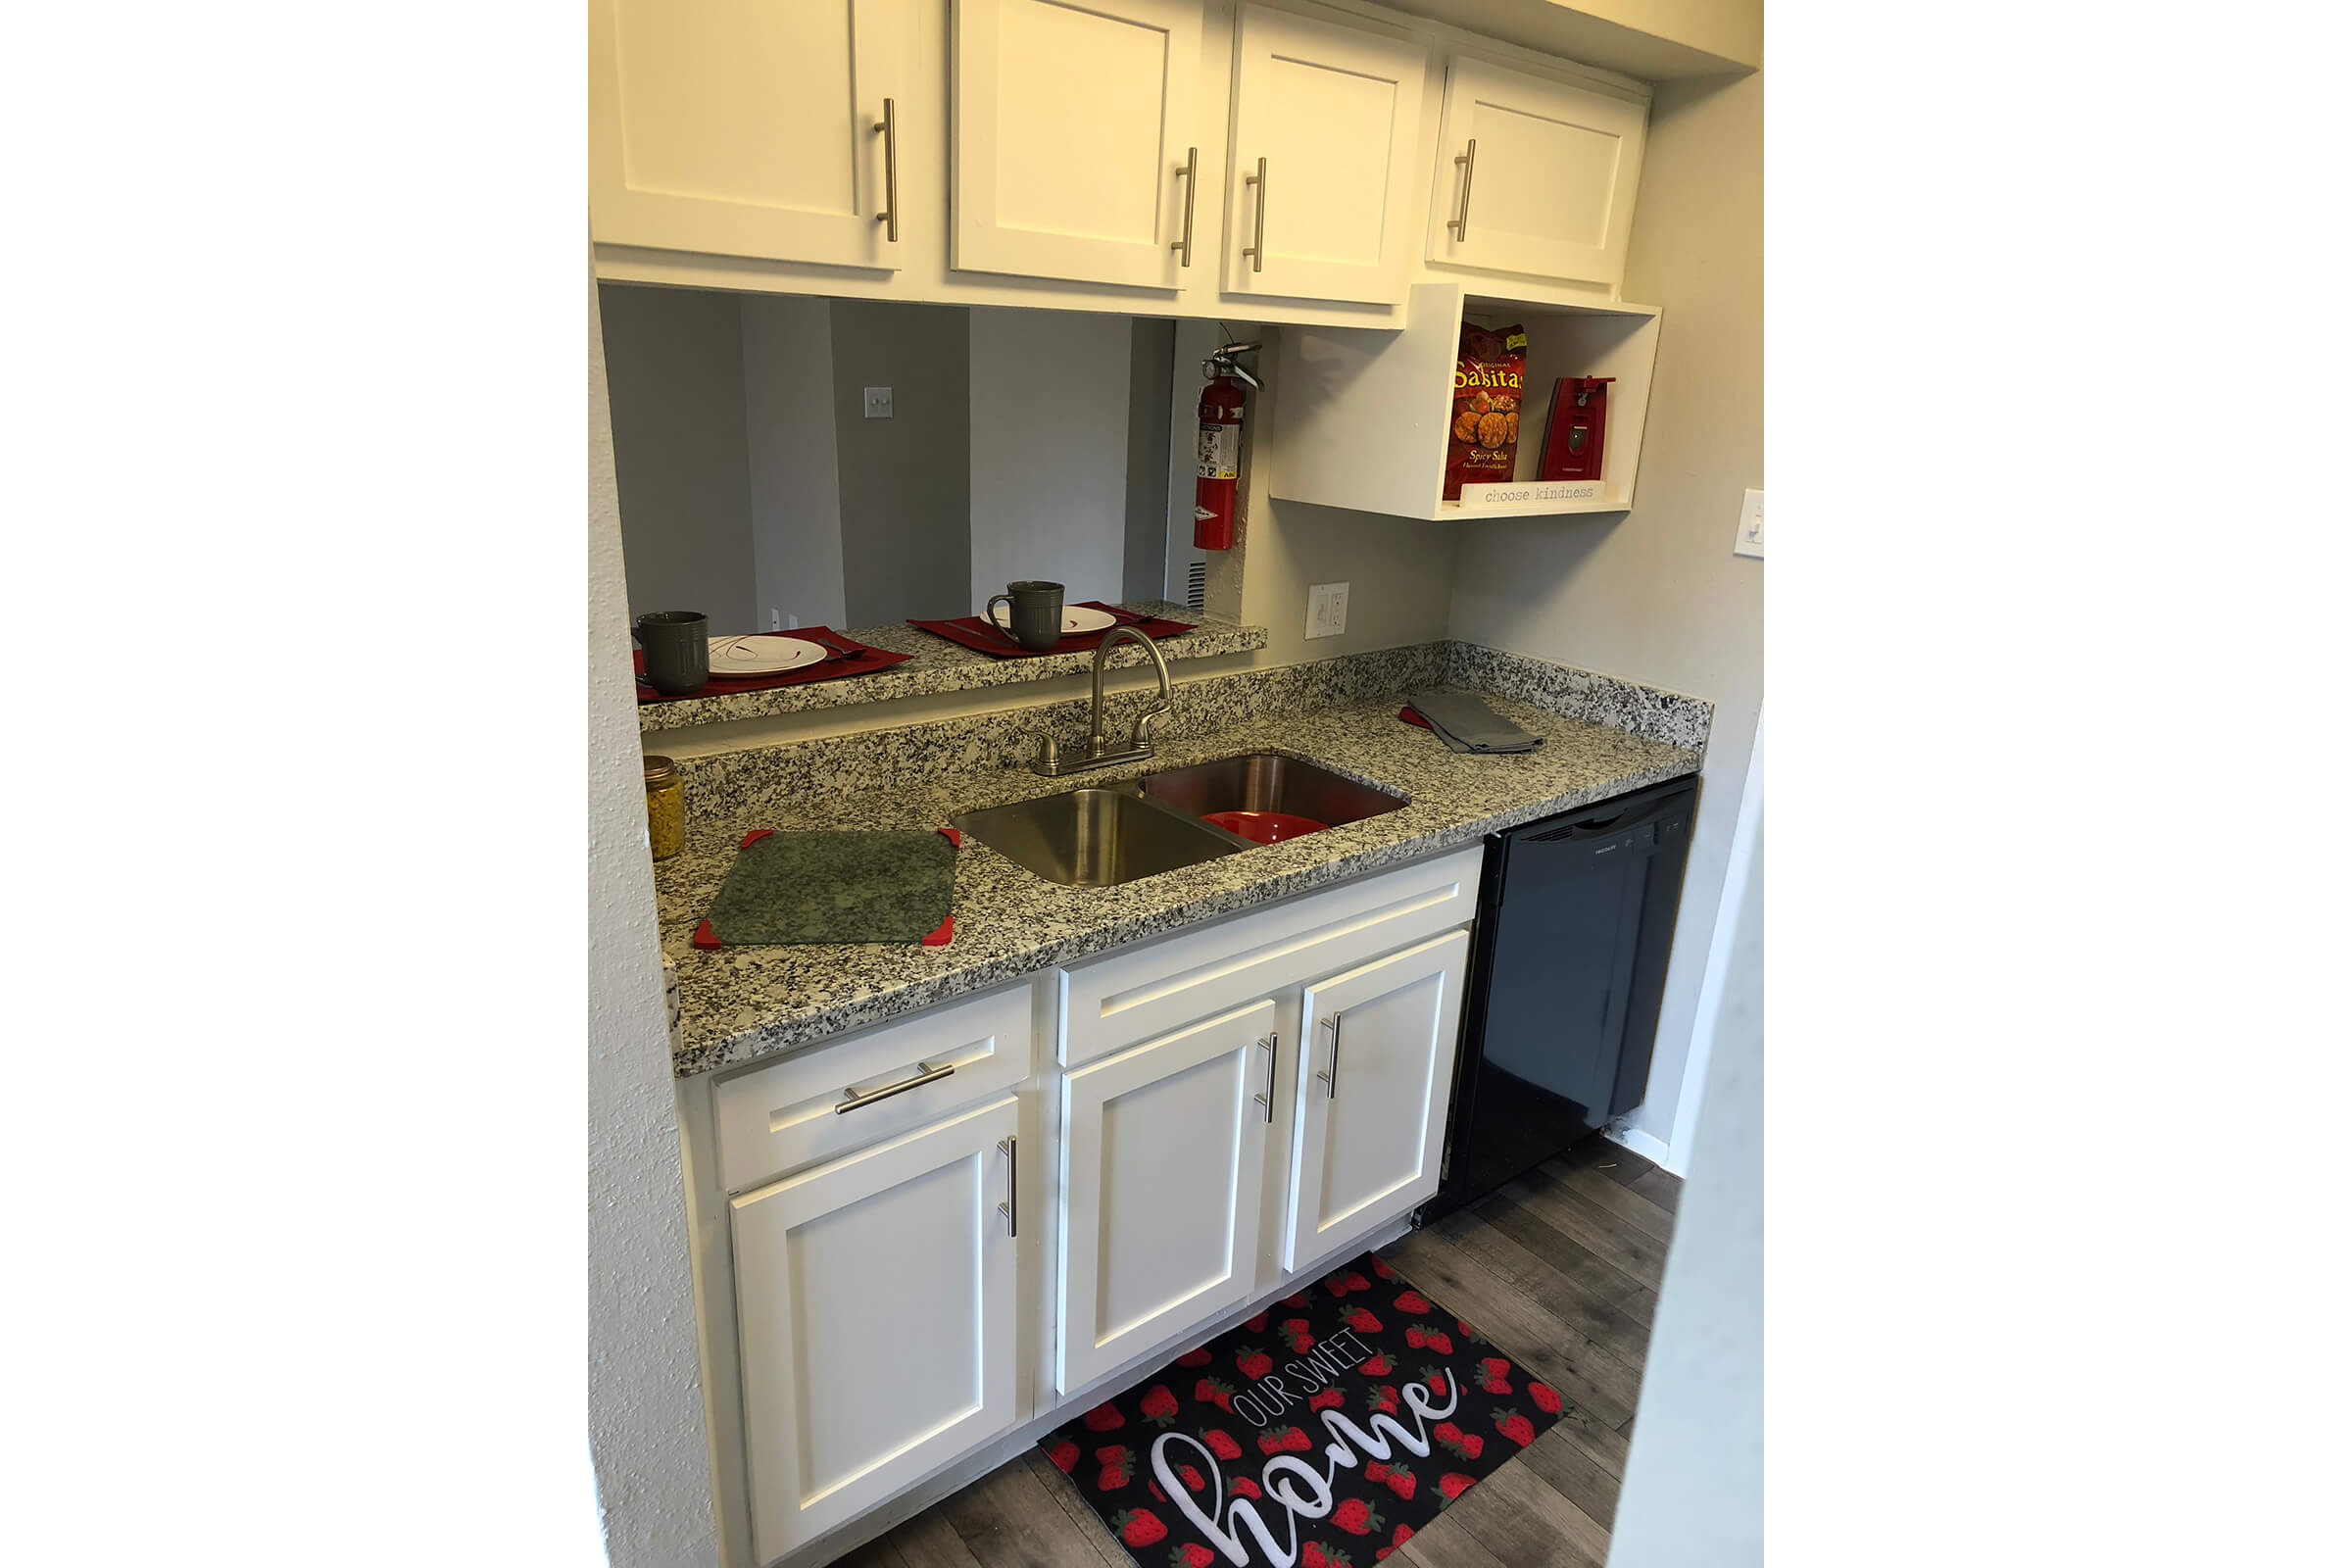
743	128
1166	1148
1073	123
1376	1076
1331	115
1535	177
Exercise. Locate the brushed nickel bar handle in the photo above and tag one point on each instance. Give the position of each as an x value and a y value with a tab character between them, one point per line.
1331	1079
1010	1208
926	1073
1467	163
1257	252
1271	1045
889	128
1192	179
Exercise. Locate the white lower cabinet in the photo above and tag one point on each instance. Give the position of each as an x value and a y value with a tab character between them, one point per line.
1206	1147
1164	1150
874	1299
1376	1074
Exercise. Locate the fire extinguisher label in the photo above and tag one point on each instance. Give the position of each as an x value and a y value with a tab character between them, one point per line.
1220	452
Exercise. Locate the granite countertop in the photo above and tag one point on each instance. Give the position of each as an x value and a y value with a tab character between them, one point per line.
940	665
744	1005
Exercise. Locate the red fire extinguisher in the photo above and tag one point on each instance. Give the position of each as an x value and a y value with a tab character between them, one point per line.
1216	490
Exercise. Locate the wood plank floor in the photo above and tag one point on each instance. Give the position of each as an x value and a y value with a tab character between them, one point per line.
1560	1269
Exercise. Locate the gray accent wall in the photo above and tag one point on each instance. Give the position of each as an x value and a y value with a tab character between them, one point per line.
679	453
905	481
1150	371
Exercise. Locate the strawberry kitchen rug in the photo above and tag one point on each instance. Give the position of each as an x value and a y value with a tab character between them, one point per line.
1319	1434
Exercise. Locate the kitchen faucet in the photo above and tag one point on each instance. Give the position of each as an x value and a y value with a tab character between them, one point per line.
1049	759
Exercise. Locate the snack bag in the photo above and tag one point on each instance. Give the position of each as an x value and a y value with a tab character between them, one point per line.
1483	447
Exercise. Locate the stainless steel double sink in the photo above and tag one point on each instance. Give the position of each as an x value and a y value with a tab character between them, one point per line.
1108	834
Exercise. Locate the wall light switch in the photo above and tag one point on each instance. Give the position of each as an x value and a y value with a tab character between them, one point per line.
1749	540
877	403
1326	610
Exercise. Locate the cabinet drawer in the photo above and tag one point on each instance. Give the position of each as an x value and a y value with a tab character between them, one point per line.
775	1118
1134	995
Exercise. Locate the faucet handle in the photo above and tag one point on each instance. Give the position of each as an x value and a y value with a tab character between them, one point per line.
1048	755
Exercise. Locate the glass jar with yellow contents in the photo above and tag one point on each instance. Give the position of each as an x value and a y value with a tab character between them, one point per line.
664	807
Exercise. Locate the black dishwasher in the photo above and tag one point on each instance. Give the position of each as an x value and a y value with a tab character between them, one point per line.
1575	916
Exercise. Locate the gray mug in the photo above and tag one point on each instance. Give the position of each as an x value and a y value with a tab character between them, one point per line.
677	649
1032	614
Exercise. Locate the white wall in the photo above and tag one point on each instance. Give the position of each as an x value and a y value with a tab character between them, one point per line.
795	476
1049	451
1657	596
645	1406
1694	1478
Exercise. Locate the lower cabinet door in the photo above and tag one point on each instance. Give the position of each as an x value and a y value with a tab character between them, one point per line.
1376	1072
875	1303
1165	1148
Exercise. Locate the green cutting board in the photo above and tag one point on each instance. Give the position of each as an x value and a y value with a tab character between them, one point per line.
865	886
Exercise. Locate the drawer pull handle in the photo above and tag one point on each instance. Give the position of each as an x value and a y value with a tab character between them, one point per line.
1010	1208
926	1073
1331	1079
1271	1045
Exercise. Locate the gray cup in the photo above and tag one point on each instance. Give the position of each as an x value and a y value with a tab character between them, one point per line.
677	649
1032	610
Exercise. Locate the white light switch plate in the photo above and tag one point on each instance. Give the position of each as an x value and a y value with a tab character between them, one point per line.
877	403
1749	540
1326	610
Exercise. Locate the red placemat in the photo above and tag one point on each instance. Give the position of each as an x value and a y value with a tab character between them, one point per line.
983	638
865	661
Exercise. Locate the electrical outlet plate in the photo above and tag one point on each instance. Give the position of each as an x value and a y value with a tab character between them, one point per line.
1749	539
1326	610
877	403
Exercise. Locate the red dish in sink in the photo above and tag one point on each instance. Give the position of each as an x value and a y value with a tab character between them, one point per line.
1264	827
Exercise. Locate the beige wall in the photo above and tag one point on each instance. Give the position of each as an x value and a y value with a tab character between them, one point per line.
1400	574
645	1402
1657	596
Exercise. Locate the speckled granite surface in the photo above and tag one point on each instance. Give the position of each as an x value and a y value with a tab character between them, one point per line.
940	665
1651	710
744	1005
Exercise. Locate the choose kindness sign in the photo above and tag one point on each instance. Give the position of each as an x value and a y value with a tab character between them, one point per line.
1322	1432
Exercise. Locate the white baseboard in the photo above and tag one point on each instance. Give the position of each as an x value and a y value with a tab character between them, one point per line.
1648	1147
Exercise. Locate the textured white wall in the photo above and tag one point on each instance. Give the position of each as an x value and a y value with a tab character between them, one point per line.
1657	596
1050	449
795	476
1694	1478
645	1404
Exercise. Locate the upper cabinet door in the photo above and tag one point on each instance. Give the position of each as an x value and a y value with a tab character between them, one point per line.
1073	125
1535	177
743	128
1333	118
1376	1075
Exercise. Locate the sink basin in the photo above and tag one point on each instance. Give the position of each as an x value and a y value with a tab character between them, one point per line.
1263	781
1096	837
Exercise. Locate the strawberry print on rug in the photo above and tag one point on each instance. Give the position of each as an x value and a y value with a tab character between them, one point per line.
1319	1434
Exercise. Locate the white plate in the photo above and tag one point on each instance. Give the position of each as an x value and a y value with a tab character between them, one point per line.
1075	618
739	657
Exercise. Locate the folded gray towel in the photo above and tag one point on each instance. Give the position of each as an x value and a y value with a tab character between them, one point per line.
1465	723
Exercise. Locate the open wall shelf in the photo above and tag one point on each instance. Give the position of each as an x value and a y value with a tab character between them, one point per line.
1362	415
